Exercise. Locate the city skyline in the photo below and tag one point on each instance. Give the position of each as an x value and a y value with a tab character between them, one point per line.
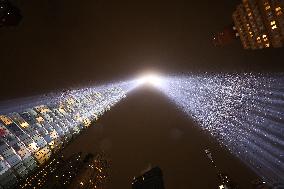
144	82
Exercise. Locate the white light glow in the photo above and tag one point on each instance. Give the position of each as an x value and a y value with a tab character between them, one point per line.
152	79
244	112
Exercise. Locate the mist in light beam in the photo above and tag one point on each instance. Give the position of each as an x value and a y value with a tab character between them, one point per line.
245	112
20	104
34	128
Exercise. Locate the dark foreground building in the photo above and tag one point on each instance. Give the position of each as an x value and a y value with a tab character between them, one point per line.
225	37
50	171
90	172
93	174
152	179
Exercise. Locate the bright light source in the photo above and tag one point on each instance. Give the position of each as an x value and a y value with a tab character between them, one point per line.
152	79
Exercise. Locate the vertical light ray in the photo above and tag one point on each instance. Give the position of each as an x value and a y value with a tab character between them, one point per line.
244	112
34	128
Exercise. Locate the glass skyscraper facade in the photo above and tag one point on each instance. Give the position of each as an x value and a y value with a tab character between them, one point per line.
29	137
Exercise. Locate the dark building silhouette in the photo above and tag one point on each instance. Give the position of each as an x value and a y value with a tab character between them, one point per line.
225	37
152	179
10	15
43	174
224	180
94	173
65	172
89	172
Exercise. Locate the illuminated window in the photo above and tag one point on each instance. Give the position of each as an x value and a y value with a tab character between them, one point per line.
40	119
267	7
267	45
5	120
24	124
278	9
274	27
272	23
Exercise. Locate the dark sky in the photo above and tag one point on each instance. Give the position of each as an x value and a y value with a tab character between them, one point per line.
63	43
67	43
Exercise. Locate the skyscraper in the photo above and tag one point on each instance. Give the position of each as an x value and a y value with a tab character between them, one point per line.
152	179
93	174
31	136
66	170
260	23
43	173
226	36
225	181
76	171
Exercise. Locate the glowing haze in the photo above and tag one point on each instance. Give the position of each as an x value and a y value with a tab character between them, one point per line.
150	78
244	112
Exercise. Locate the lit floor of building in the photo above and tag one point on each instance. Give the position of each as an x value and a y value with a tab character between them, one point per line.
31	134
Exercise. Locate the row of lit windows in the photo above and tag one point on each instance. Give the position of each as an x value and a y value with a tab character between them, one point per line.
253	24
29	142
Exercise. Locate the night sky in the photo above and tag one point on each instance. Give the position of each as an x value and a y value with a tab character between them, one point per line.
67	43
70	43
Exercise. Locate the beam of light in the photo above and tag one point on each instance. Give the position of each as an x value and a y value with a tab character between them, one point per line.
245	112
33	129
150	79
